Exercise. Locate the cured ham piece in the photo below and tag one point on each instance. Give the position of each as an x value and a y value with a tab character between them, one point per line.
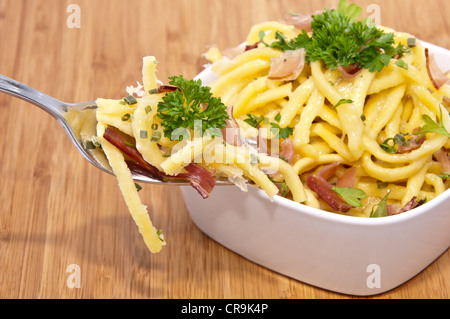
198	176
444	159
436	75
288	66
231	133
302	22
322	187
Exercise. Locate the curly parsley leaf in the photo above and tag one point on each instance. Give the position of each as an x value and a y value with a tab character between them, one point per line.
255	120
284	133
191	103
338	40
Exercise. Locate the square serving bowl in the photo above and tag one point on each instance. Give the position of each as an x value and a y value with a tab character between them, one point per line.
344	254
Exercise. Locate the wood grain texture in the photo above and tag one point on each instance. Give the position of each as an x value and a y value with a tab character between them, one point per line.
57	209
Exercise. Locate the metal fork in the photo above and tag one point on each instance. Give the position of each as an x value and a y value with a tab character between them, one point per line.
59	110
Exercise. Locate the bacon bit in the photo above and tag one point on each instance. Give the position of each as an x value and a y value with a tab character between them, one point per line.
288	66
287	150
414	143
349	72
444	159
167	89
348	179
434	72
251	46
151	172
231	133
323	189
413	203
392	209
301	22
198	176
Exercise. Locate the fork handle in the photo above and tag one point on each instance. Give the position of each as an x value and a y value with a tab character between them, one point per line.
47	103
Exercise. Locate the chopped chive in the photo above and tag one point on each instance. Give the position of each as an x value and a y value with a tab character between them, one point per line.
153	91
126	117
148	109
143	134
411	42
130	100
156	137
90	145
402	64
342	101
154	126
363	117
138	187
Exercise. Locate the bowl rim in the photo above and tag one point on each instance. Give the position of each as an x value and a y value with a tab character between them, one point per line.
356	220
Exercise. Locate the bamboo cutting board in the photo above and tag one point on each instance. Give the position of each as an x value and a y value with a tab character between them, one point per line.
59	214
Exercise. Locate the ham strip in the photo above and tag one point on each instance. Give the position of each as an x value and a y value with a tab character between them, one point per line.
288	66
287	150
349	72
436	75
231	133
443	158
321	186
348	179
198	176
302	22
414	144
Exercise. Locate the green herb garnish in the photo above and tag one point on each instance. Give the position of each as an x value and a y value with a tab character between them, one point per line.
254	120
130	100
143	134
190	103
397	140
126	117
342	101
339	40
402	64
381	210
281	132
433	127
350	195
445	175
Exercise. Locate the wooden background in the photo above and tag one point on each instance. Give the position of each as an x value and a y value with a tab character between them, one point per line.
56	209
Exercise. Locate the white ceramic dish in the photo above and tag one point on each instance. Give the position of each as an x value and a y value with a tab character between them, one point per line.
349	255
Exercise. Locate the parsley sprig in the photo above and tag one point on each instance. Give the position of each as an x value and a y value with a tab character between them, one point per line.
275	128
190	103
433	127
338	40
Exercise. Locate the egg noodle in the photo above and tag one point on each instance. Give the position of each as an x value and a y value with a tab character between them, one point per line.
333	119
